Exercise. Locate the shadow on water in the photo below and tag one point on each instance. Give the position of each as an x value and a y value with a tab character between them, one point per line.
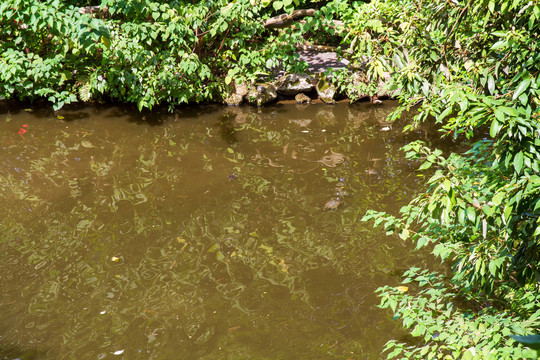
8	352
204	233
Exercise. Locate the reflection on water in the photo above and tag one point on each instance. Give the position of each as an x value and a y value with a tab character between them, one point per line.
198	234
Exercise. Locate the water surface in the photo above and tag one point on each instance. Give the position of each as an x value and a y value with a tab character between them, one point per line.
201	234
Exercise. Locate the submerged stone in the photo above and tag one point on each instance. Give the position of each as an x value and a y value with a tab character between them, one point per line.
332	204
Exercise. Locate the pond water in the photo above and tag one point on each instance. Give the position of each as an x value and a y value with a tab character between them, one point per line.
201	234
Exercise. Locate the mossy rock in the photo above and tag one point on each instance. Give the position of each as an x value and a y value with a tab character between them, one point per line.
261	94
292	84
326	90
302	98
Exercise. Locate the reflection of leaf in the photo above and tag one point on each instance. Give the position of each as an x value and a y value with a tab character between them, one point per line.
284	267
142	199
84	224
268	249
214	248
164	241
87	144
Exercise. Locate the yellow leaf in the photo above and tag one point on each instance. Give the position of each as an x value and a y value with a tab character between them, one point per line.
105	41
402	289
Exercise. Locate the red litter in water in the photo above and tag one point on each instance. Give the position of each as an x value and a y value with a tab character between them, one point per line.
23	130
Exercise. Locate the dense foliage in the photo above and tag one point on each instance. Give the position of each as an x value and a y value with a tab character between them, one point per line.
147	53
473	67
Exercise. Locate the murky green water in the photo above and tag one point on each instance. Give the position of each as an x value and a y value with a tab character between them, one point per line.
201	234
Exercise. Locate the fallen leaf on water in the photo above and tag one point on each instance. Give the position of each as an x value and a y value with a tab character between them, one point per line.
59	117
402	289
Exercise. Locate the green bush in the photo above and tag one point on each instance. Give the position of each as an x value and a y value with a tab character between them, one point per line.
472	67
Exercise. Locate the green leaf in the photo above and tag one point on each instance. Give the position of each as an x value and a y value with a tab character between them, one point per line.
518	162
524	85
467	355
530	341
491	84
471	214
497	198
499	115
277	5
493	268
495	128
499	44
444	114
447	185
404	234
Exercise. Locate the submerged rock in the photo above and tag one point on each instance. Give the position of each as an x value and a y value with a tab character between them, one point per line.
302	98
261	94
332	204
293	84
